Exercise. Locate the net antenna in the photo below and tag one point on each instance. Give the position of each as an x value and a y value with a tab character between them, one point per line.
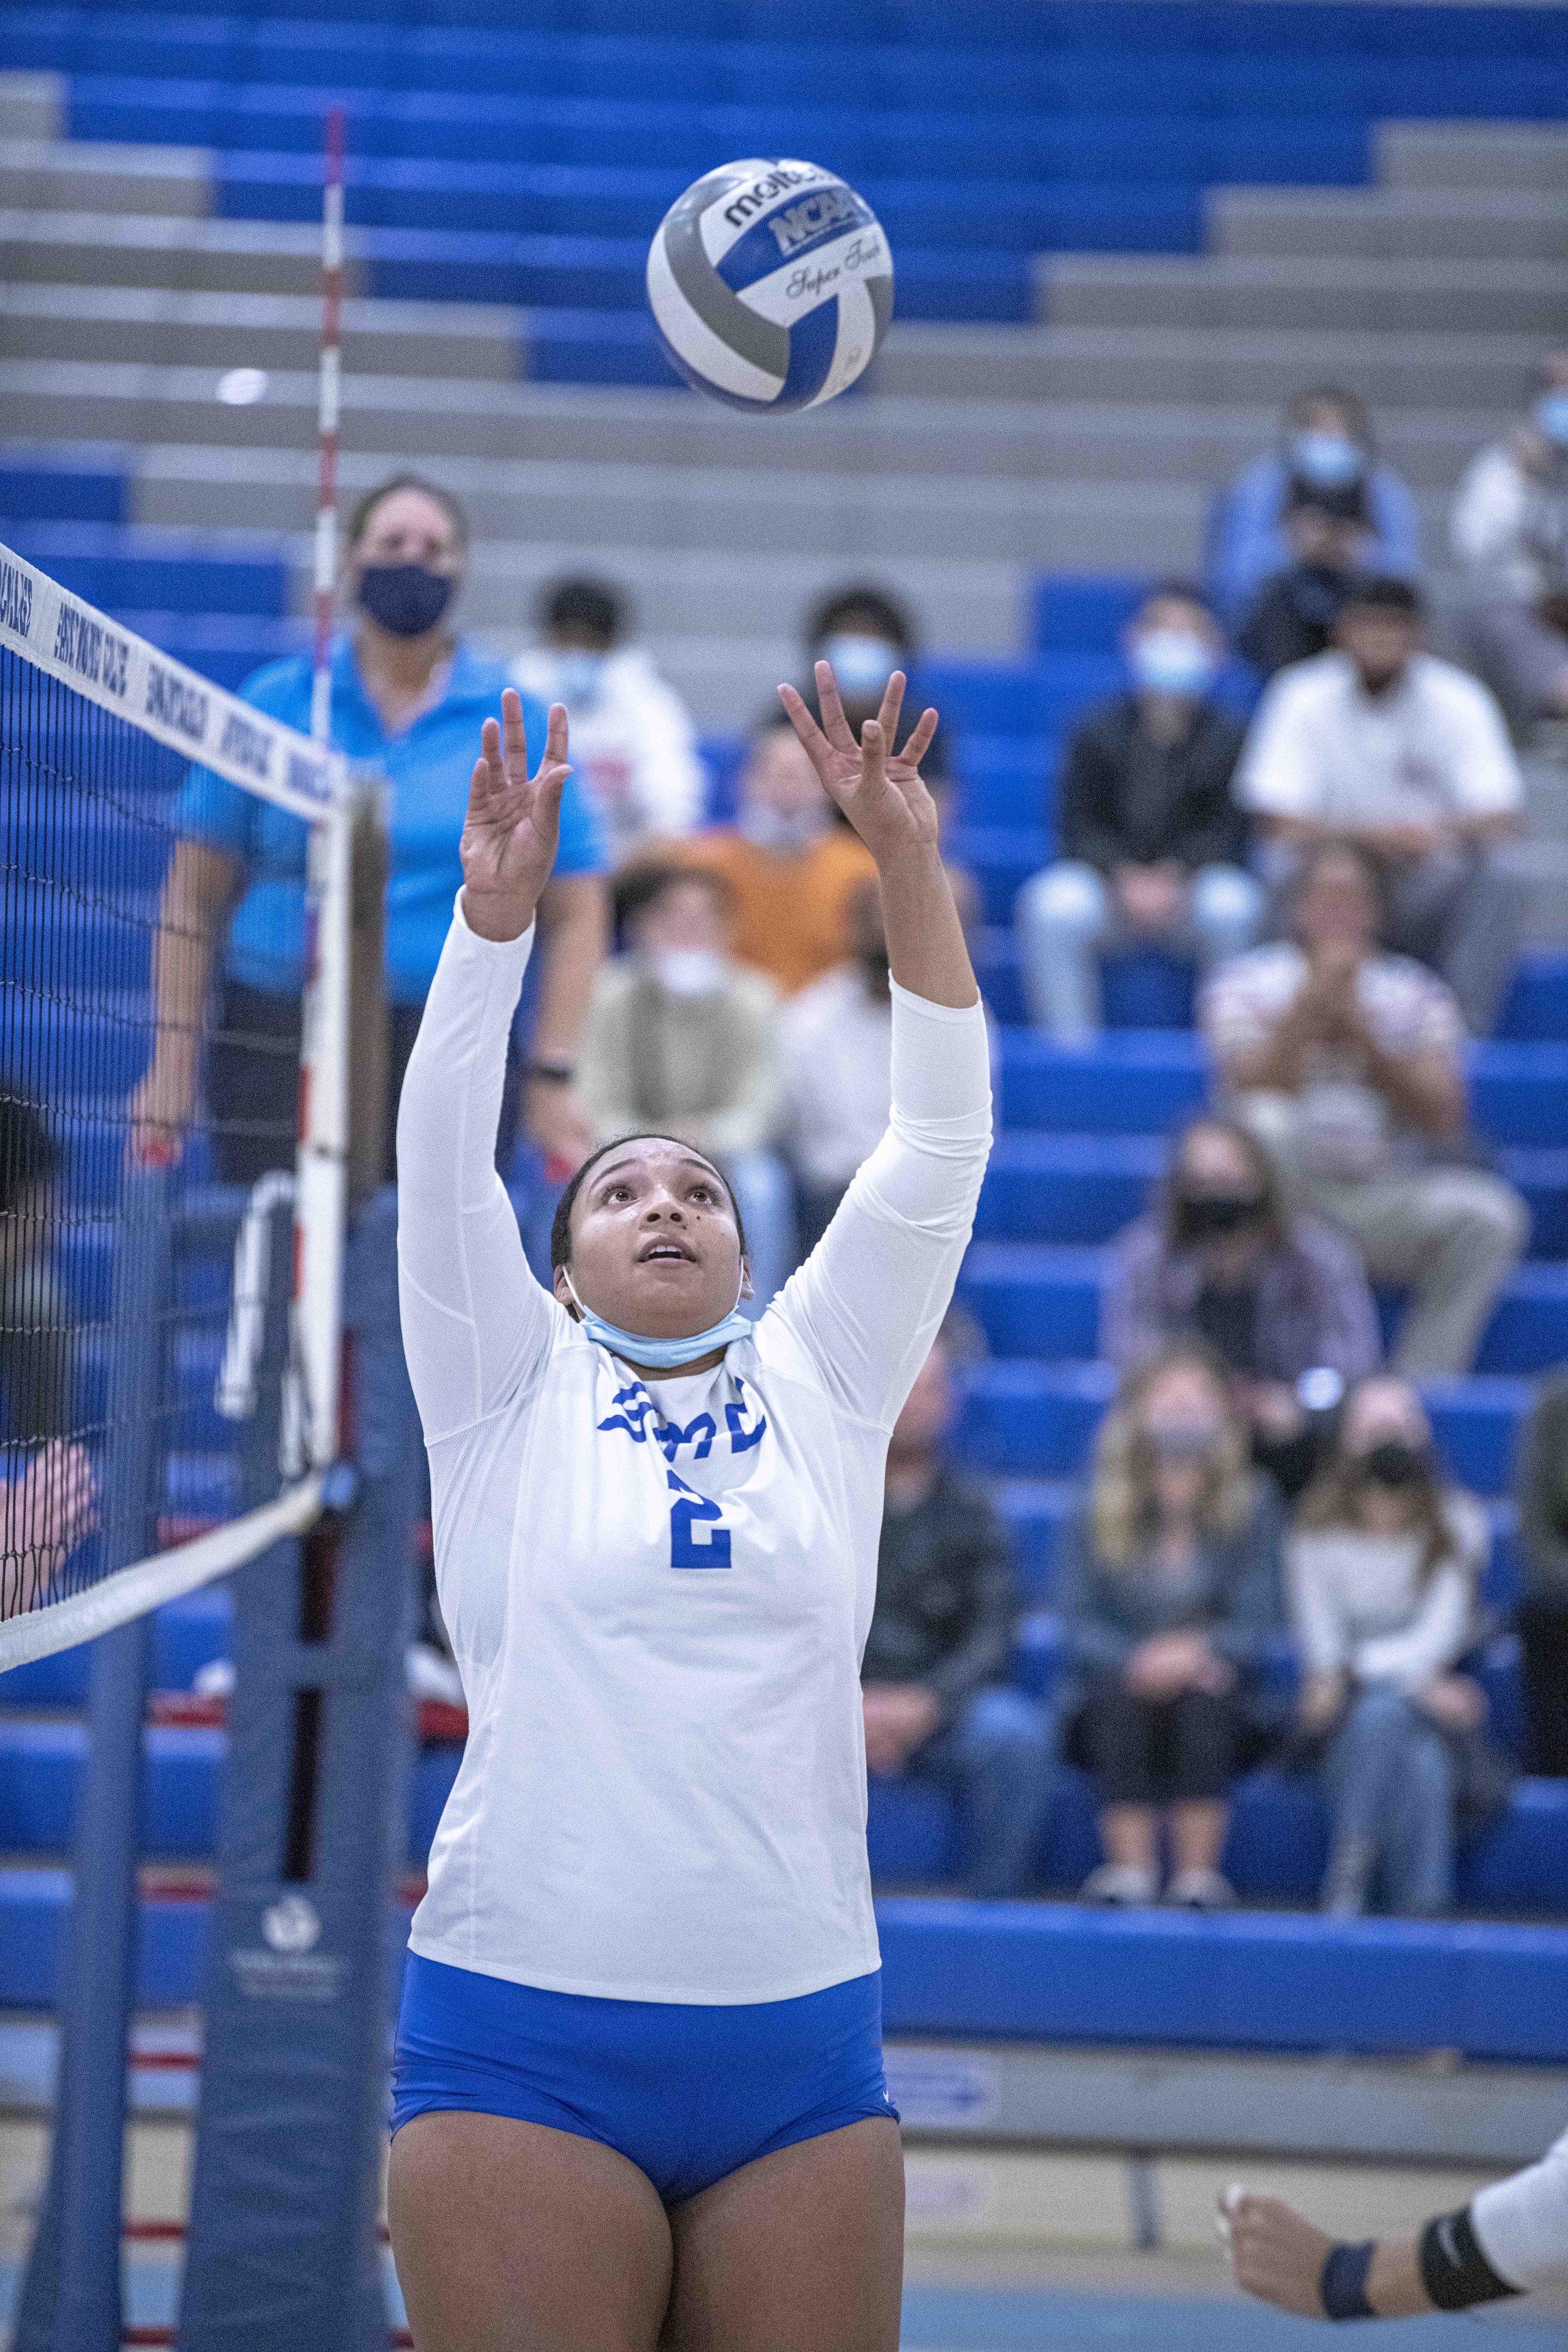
99	733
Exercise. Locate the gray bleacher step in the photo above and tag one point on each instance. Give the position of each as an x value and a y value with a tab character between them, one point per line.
1526	156
998	483
216	256
78	175
32	105
165	327
1506	297
1438	225
1202	364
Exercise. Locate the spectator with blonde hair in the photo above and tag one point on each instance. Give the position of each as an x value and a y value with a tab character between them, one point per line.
1168	1587
1382	1566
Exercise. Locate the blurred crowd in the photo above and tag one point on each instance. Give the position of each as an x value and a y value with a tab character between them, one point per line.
1290	788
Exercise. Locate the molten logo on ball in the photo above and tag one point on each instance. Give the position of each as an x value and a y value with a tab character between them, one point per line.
770	284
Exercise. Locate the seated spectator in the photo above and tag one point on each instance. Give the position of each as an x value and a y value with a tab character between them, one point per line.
1292	617
835	1040
791	866
1509	528
47	1491
1281	1300
937	1708
1543	1546
1152	847
1168	1585
867	634
683	1041
1345	1062
1380	1566
634	748
1326	444
1386	744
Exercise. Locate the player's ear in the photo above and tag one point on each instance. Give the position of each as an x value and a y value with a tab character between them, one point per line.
746	1289
565	1293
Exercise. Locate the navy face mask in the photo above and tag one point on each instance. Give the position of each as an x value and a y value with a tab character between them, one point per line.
405	599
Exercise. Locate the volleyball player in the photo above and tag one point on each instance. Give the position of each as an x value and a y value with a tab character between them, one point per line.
638	2093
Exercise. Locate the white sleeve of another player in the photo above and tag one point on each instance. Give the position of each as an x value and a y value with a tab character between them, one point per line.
870	1299
475	1323
1522	2224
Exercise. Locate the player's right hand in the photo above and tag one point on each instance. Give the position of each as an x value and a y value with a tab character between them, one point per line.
513	823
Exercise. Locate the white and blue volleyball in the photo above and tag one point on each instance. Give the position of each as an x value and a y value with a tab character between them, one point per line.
770	284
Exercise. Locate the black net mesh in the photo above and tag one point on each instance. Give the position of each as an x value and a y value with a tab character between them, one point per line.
138	1106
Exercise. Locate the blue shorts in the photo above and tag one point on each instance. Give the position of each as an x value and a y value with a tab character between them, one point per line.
688	2093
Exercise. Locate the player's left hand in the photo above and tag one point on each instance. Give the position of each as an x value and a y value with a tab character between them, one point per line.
1277	2254
879	788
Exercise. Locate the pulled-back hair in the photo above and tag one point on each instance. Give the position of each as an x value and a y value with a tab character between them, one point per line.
1333	1501
561	1224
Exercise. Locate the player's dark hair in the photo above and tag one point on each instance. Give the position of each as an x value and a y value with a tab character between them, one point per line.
361	515
1382	594
561	1224
836	614
586	607
635	889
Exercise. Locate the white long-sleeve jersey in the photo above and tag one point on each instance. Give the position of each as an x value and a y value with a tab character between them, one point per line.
657	1595
1521	2224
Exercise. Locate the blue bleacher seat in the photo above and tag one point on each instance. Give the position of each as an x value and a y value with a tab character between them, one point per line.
37	487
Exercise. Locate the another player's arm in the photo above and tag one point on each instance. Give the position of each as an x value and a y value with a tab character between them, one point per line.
473	1318
1279	2257
197	889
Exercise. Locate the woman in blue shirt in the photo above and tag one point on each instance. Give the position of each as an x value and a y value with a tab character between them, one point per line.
408	699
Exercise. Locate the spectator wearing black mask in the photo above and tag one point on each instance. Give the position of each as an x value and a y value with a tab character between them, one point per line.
936	1707
1543	1613
1326	444
1293	615
1382	1565
1282	1301
1152	847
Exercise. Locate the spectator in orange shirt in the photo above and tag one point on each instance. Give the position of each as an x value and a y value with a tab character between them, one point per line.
793	868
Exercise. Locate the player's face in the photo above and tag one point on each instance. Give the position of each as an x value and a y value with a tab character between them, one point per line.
655	1246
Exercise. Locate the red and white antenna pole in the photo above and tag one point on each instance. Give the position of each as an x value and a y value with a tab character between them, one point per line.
329	387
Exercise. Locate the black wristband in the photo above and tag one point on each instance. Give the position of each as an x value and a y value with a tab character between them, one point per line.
1454	2271
553	1074
1343	2283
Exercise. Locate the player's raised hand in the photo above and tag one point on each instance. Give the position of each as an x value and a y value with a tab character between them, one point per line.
879	788
513	823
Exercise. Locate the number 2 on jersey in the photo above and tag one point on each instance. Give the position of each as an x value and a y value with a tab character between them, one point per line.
689	1511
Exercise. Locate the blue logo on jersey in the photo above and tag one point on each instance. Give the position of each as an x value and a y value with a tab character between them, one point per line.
638	1409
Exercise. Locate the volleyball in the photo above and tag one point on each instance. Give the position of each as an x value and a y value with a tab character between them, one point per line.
770	284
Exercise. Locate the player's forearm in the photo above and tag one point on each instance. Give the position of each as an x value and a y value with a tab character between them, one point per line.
927	953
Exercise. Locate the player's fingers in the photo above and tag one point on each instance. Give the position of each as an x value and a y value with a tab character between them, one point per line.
555	740
920	736
806	725
834	726
514	742
892	703
873	756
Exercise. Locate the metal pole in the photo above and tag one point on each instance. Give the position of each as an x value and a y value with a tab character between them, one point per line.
327	405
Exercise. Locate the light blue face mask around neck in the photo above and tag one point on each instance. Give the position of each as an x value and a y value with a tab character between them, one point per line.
663	1355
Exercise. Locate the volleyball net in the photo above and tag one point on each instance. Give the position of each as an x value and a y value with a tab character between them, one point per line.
162	1125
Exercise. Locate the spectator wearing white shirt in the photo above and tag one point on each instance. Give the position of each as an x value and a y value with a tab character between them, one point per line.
1509	528
832	1039
1345	1061
683	1040
1409	756
634	748
1382	1570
